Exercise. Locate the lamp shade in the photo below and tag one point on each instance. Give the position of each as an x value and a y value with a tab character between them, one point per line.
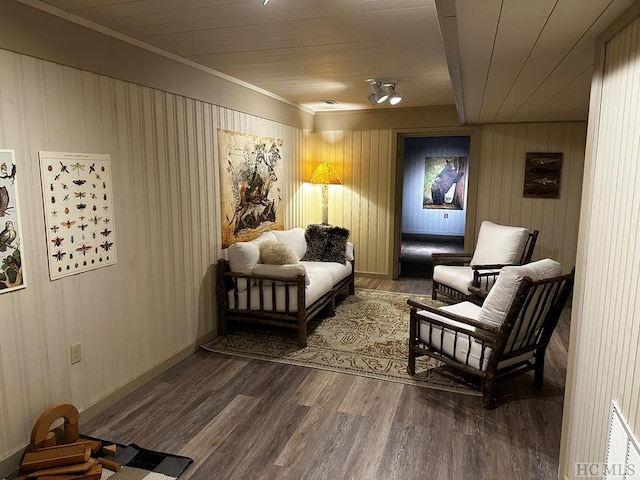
325	174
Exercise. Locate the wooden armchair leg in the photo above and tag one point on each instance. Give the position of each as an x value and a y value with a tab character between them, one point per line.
489	393
302	335
538	373
222	325
411	365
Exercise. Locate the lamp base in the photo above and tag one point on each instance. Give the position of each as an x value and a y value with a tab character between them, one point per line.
325	204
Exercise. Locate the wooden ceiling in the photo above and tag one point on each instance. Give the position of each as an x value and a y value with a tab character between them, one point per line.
500	61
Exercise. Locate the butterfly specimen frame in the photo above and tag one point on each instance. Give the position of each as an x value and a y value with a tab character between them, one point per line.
12	274
78	208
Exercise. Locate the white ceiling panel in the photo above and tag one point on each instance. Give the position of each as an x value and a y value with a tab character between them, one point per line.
506	60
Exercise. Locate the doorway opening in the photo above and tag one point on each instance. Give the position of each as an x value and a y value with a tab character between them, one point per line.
434	201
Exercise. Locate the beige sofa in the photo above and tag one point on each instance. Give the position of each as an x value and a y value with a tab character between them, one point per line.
286	295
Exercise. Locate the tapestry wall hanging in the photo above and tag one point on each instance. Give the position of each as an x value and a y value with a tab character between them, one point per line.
542	175
444	182
11	255
78	209
250	193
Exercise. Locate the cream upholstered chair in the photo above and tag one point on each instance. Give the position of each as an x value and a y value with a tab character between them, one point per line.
505	337
497	246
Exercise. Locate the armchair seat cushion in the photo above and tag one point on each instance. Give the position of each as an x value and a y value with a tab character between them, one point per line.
454	276
454	344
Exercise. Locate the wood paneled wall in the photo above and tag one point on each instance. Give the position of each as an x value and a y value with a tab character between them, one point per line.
363	204
501	178
158	299
366	161
605	340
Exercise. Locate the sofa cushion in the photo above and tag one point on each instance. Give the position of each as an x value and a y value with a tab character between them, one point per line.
502	295
294	238
276	253
499	244
243	256
337	271
288	271
326	243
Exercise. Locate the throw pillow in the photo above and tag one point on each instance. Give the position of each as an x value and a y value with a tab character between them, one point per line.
326	243
276	253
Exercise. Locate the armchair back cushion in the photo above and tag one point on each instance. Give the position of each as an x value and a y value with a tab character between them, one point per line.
499	244
501	296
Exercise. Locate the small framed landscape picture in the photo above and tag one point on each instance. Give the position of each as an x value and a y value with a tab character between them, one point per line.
542	175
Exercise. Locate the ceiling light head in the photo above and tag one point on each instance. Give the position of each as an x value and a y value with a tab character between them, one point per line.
383	89
379	94
264	2
394	97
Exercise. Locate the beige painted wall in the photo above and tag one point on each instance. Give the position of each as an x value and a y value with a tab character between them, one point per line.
604	351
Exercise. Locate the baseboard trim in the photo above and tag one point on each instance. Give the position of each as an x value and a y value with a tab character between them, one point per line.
11	463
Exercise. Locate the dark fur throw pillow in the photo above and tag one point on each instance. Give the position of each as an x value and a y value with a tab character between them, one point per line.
326	244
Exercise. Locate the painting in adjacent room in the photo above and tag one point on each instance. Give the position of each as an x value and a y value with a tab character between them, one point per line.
12	275
250	185
78	208
444	182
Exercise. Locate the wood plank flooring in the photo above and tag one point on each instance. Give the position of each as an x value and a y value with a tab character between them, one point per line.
248	419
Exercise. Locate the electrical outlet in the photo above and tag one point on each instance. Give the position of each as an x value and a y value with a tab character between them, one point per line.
76	354
446	215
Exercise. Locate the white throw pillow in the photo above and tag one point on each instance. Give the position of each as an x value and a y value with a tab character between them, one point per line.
499	244
289	272
243	256
277	253
501	296
294	238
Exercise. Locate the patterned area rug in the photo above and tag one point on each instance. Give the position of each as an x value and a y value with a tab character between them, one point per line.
367	337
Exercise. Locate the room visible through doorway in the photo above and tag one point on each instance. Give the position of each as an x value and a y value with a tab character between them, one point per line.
434	200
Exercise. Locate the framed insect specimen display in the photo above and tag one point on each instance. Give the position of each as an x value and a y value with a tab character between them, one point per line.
78	208
12	275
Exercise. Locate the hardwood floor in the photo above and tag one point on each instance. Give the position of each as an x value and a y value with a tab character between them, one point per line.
248	419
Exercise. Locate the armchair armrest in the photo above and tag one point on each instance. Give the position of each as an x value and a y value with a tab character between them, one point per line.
488	333
478	295
451	258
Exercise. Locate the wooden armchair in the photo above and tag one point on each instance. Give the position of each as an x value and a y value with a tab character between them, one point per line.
505	337
497	247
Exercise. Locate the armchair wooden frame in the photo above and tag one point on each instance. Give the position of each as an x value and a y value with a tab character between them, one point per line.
484	276
514	348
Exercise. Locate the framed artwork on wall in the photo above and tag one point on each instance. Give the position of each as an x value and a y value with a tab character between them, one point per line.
12	274
250	185
542	175
78	209
444	182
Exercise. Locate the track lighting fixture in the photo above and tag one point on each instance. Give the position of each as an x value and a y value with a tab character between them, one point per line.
265	2
383	89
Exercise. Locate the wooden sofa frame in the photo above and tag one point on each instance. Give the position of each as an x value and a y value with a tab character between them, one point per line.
297	320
